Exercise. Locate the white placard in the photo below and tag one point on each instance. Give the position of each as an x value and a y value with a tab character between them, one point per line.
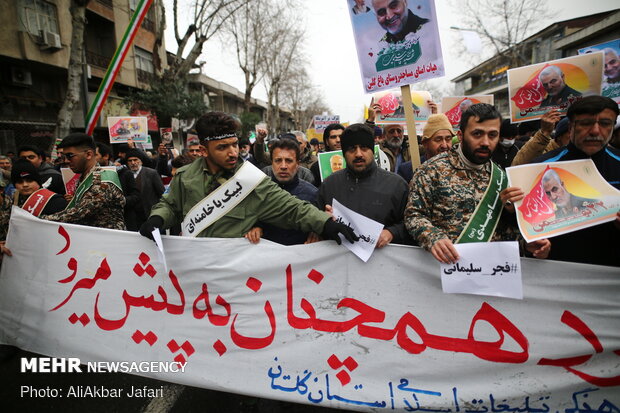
160	248
485	268
367	229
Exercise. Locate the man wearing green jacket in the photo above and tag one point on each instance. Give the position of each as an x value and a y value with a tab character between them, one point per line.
217	195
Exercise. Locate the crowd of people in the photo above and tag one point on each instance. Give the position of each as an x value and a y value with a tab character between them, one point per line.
285	200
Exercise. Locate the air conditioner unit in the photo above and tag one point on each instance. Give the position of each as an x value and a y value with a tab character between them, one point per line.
21	76
50	40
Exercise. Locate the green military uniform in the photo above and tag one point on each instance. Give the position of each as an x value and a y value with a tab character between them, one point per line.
443	195
6	203
267	203
100	206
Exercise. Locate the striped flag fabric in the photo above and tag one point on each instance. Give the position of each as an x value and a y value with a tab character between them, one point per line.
115	65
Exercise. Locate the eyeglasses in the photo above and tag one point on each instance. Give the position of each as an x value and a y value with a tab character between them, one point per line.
589	123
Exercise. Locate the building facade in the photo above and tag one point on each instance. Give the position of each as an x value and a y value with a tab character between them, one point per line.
34	54
561	39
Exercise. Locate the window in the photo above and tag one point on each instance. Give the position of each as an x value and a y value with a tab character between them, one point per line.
149	20
144	60
37	16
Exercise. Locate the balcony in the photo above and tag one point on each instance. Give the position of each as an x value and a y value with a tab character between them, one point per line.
98	60
144	76
484	86
108	3
148	24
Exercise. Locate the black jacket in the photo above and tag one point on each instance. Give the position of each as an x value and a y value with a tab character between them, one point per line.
132	197
377	194
48	173
599	244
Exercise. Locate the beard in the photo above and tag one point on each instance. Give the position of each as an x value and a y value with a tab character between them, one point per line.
393	143
478	156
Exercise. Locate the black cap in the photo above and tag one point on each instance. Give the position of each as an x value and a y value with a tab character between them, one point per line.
23	169
357	134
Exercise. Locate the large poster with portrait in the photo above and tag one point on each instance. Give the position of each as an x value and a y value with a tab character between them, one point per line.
393	109
397	42
562	197
454	106
611	67
536	89
122	128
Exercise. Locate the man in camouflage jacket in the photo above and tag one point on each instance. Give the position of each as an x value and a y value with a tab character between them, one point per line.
98	200
446	189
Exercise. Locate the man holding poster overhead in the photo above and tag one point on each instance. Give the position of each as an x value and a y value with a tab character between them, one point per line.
458	196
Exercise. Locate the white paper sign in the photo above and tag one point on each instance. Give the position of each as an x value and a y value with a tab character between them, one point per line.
160	248
485	268
365	228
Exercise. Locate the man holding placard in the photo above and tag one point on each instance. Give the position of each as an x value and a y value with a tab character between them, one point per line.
592	121
218	195
367	189
458	196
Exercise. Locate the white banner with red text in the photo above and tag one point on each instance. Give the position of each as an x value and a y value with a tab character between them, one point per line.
313	323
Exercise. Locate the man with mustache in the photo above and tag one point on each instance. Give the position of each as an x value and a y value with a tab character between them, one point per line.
365	188
397	20
592	121
218	195
445	191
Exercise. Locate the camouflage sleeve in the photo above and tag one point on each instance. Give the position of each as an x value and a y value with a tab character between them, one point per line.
93	204
5	215
420	203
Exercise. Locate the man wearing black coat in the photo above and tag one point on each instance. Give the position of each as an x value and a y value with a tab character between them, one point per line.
148	181
367	189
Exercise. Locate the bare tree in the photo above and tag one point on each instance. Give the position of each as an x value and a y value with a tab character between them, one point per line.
250	30
302	97
283	54
503	24
438	88
74	69
206	17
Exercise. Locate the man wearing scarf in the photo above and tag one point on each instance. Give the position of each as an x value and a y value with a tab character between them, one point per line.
447	190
